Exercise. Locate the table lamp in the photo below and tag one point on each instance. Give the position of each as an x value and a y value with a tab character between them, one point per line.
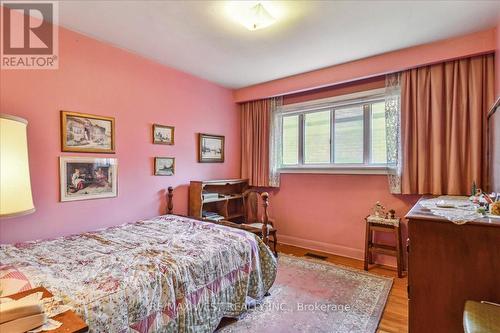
15	185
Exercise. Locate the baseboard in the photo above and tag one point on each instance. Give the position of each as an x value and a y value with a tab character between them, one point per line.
335	249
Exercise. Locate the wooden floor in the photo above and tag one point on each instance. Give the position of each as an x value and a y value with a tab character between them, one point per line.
395	316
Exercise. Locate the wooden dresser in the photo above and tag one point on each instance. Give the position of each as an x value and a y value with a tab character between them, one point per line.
447	265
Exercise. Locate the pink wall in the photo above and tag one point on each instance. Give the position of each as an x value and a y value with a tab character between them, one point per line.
96	78
326	212
468	45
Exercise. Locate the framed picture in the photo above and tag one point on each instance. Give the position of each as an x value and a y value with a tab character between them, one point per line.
163	135
164	166
84	178
87	133
211	148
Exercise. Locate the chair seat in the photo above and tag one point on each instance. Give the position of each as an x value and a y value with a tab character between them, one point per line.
259	225
481	317
381	220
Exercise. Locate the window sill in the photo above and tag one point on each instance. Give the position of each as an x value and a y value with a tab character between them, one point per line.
338	170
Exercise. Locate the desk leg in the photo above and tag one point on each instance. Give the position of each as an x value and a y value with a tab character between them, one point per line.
399	251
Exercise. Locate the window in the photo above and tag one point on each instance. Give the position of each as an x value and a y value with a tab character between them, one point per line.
291	140
338	133
317	127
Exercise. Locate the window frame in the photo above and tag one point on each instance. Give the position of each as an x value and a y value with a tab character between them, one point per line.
365	99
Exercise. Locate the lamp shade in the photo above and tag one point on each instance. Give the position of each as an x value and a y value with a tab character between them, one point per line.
15	185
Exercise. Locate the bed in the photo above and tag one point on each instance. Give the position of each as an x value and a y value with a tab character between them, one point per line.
166	274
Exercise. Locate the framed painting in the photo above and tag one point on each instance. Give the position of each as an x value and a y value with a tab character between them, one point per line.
164	166
163	135
211	148
84	178
87	133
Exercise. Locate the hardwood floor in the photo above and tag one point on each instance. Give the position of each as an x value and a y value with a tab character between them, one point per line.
395	316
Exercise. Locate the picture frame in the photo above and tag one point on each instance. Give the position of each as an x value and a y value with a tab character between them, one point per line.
164	166
210	148
163	135
85	178
87	133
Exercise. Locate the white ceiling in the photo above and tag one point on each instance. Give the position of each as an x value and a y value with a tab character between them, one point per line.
198	37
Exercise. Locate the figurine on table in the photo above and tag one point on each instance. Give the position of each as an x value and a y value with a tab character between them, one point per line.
379	210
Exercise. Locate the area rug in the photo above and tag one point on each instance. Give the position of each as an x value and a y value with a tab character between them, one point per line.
314	296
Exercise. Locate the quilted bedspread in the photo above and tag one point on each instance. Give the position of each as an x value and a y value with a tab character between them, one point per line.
166	274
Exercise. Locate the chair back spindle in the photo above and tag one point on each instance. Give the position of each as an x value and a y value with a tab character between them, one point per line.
265	218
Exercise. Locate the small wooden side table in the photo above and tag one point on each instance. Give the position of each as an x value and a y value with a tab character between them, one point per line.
375	223
71	322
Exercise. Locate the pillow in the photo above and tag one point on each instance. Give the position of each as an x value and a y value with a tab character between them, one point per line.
12	281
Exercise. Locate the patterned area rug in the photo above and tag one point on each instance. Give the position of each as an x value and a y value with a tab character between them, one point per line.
314	296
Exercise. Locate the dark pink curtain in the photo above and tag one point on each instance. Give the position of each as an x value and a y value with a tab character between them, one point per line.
444	126
255	127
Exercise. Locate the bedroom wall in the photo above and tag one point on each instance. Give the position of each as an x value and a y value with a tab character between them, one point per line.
94	77
326	212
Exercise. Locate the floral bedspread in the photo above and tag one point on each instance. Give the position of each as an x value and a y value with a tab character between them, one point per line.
166	274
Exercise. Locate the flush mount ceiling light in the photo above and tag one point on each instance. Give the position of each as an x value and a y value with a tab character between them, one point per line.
252	15
258	18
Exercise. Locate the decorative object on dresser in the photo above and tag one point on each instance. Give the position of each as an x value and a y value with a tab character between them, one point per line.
87	133
164	166
15	184
384	222
210	148
222	196
163	135
68	320
449	264
83	178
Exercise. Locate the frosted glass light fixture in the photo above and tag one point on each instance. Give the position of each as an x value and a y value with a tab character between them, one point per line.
258	17
15	185
252	15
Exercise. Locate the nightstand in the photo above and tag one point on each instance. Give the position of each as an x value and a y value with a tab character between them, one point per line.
71	322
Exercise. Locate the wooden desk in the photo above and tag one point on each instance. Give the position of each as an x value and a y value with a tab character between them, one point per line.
71	322
447	265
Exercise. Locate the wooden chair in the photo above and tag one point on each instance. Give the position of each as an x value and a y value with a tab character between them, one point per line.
263	222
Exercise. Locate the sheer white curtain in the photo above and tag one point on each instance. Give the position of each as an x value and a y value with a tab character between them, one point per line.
275	141
393	131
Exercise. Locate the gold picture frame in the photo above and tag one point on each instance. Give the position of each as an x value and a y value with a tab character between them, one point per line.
211	148
87	178
163	135
164	166
87	133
